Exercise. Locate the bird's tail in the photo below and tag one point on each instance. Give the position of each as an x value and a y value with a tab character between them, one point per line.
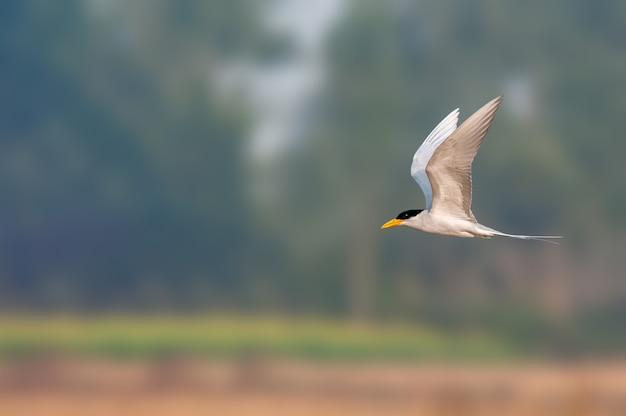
546	238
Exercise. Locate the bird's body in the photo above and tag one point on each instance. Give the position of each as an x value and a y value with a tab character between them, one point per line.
446	225
442	168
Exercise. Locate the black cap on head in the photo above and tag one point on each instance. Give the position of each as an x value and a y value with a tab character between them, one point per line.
408	214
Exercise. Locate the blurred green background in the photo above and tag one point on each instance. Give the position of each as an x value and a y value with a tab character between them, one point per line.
237	158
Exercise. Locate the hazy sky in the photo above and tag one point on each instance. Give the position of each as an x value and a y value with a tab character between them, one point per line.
279	93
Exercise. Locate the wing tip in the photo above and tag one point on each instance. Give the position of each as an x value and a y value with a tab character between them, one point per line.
497	101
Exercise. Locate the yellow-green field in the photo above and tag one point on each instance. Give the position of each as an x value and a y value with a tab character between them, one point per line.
279	366
126	336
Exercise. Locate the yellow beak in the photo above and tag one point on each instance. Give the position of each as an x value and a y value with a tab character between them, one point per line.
392	223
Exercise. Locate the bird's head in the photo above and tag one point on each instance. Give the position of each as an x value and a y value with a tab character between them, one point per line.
402	217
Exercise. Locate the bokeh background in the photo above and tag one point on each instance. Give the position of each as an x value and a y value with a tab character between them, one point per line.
219	169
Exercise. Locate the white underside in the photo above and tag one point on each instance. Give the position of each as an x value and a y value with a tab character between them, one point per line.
458	227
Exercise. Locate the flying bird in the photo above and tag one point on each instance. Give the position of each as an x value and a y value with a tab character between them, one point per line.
442	168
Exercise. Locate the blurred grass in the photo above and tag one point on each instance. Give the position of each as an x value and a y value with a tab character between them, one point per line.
227	337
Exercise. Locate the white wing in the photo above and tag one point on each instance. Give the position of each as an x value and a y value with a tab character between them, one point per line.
418	168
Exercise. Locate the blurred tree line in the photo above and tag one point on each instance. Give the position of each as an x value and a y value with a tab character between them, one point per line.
127	182
121	174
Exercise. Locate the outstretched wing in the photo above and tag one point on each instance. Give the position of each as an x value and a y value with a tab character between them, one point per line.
426	150
450	167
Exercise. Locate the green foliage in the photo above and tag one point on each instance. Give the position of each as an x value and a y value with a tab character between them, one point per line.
141	337
117	157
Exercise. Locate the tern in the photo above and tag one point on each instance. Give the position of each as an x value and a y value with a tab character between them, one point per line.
442	168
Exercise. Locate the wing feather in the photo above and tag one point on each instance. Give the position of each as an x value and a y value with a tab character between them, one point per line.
450	167
426	150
